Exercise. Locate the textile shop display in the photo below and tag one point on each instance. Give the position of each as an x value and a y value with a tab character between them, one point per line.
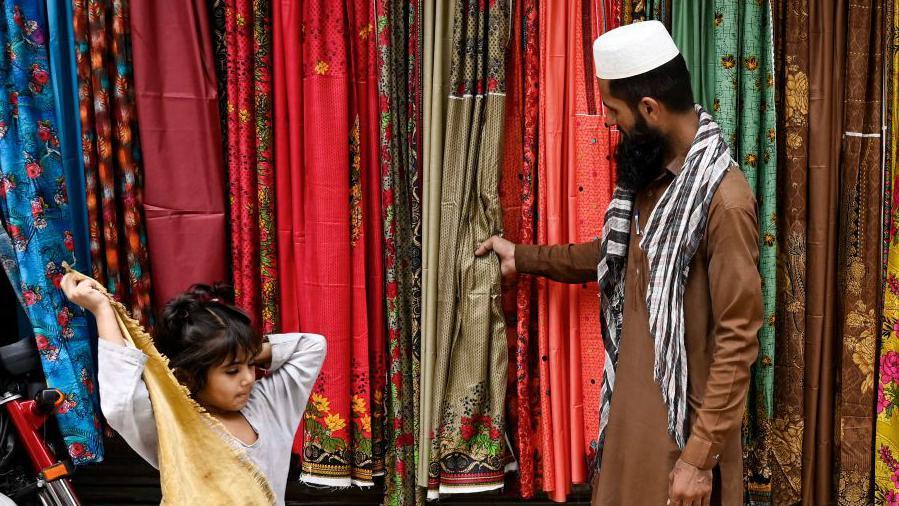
37	234
744	106
111	154
362	150
794	183
437	29
399	97
248	160
468	448
858	266
64	75
324	213
516	191
574	183
691	29
184	189
886	444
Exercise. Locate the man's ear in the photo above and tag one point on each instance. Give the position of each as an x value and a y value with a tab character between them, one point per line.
651	110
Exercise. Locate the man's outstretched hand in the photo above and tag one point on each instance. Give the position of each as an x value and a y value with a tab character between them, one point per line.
504	249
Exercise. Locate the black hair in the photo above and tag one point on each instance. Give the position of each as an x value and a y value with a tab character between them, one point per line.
669	84
201	329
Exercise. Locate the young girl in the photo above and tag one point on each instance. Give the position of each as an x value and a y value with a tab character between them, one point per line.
213	351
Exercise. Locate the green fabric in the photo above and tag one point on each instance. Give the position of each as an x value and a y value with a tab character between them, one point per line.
691	29
744	107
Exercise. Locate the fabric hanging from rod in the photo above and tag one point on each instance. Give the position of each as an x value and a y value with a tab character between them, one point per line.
517	200
368	222
468	448
216	10
36	236
437	26
693	32
859	267
793	89
249	159
642	10
111	154
178	118
400	98
826	60
574	185
64	74
321	215
744	106
886	444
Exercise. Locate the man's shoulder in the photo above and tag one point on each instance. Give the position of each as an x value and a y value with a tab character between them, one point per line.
734	192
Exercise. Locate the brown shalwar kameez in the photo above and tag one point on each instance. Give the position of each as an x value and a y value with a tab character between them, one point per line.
722	313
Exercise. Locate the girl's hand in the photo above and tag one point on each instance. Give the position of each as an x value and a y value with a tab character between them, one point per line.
87	293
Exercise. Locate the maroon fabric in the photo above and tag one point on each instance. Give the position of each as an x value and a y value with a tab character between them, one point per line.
178	115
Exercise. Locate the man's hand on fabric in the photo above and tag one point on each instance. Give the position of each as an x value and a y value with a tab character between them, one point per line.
504	249
689	486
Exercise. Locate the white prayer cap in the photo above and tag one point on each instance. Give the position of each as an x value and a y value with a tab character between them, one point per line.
632	50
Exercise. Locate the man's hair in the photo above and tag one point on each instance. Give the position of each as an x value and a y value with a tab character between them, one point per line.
669	84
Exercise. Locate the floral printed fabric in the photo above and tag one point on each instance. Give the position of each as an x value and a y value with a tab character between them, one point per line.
111	153
744	106
397	28
37	235
886	459
788	423
327	217
468	446
249	159
860	243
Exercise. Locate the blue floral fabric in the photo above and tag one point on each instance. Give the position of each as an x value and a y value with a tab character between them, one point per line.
37	235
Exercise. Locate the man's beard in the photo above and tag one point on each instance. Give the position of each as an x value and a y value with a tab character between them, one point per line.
640	156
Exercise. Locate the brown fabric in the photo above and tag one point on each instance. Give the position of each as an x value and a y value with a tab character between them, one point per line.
826	38
723	312
791	41
859	265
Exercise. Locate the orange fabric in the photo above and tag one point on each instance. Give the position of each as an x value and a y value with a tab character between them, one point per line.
575	184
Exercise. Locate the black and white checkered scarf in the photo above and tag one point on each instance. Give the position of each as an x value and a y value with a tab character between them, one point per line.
671	237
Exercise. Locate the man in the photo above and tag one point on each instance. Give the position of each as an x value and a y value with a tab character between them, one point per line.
681	292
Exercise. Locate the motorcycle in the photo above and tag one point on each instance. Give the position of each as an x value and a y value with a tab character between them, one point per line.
30	471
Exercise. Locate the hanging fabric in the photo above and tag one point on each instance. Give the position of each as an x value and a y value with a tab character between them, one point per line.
886	445
366	215
517	199
437	22
64	75
400	98
468	447
249	159
36	236
693	30
642	10
322	215
794	277
859	247
574	186
744	106
111	154
175	91
220	52
826	64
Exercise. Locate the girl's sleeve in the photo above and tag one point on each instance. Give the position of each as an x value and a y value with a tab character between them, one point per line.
124	398
296	362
